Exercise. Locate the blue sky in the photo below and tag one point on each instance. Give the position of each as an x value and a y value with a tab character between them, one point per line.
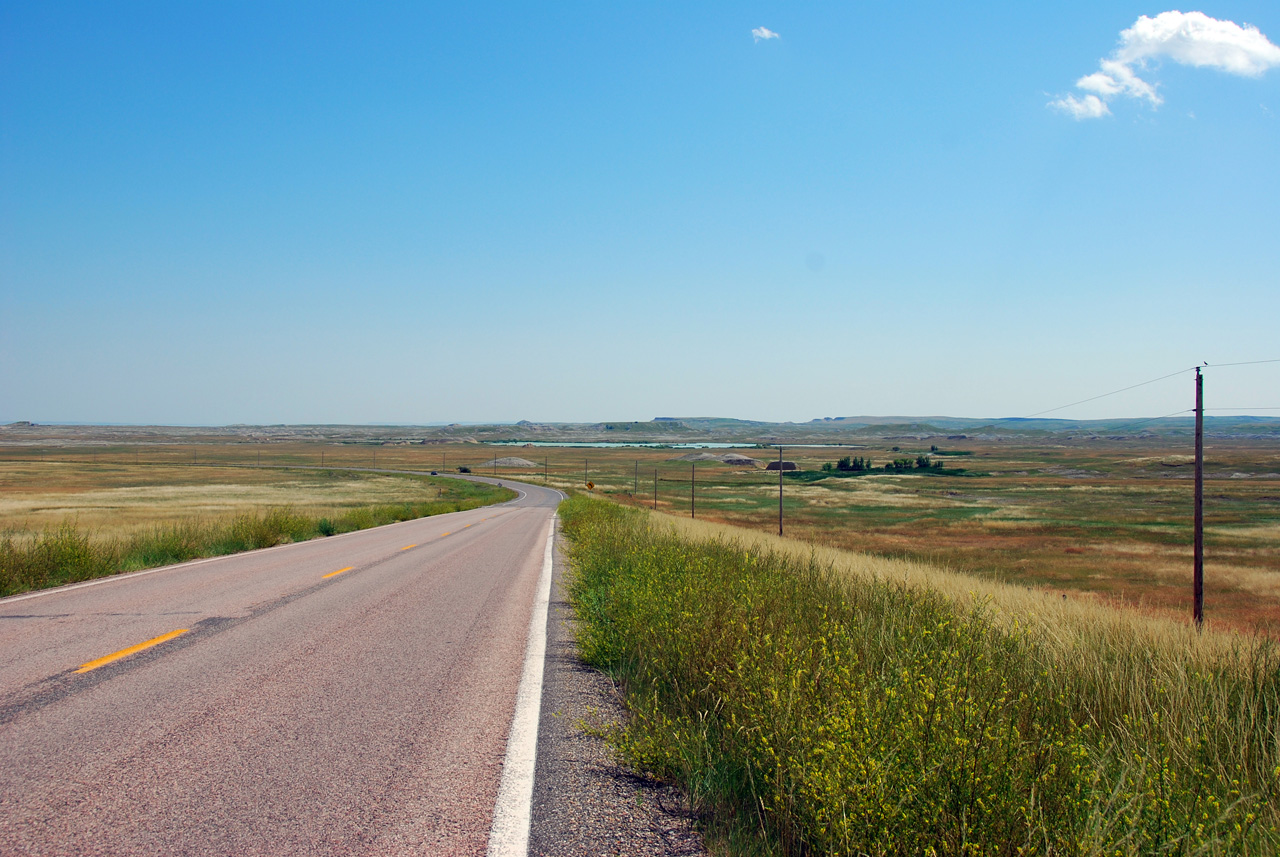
264	212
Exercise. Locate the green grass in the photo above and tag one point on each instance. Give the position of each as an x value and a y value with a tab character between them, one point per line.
810	712
819	475
67	553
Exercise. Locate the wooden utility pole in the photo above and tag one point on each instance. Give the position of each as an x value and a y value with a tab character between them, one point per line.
693	478
655	489
1198	538
636	488
779	489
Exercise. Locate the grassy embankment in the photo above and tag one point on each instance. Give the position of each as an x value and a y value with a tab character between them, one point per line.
75	548
816	701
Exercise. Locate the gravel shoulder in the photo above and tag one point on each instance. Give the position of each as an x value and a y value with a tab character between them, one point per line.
584	801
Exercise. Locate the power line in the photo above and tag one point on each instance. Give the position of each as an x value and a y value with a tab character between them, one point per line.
1149	420
1245	363
1112	393
1152	381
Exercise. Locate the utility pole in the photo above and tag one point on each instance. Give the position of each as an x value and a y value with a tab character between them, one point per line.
693	478
779	489
546	470
636	489
655	489
1198	609
585	479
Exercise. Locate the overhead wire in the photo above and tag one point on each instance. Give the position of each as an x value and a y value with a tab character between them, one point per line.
1245	363
1152	381
1104	395
1150	420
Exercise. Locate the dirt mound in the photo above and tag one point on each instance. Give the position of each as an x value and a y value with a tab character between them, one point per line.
509	462
736	459
697	456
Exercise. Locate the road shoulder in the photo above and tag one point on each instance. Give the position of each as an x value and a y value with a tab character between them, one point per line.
584	802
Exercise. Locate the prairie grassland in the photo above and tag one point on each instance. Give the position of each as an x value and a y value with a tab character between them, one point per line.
814	701
1100	520
116	499
64	521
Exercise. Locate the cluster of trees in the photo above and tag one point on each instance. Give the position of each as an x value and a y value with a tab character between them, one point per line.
848	465
922	462
859	464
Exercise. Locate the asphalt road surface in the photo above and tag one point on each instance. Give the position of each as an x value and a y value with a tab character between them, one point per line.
349	695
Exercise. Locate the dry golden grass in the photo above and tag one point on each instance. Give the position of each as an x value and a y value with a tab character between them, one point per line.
112	500
1073	624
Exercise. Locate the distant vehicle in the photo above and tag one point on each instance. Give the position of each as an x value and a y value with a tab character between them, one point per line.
433	473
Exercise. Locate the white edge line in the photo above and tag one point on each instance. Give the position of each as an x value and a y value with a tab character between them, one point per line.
513	811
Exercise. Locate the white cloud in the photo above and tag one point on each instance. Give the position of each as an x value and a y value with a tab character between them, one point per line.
764	33
1089	107
1196	39
1187	38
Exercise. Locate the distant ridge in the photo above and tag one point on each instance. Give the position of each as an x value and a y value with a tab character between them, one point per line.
847	430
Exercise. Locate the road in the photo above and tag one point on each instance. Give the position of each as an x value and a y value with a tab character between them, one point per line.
349	695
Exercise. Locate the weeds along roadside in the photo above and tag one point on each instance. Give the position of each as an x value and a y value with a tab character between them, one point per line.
814	702
68	554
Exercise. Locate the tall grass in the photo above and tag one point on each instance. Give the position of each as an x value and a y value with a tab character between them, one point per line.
814	710
67	554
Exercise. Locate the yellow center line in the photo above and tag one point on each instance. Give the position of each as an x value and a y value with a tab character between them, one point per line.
124	653
339	571
442	535
406	547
